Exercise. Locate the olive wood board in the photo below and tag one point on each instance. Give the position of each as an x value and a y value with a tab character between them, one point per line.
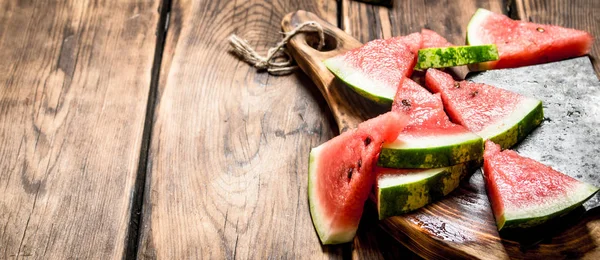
462	225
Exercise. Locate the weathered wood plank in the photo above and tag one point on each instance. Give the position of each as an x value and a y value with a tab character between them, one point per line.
448	18
227	170
74	81
581	14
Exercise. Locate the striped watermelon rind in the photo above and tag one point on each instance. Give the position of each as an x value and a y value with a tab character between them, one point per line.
513	128
369	88
431	151
455	56
401	193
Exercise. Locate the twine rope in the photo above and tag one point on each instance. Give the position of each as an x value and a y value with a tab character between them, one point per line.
279	52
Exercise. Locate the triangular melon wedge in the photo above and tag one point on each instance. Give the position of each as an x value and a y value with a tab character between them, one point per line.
526	193
493	113
523	43
375	69
340	176
429	140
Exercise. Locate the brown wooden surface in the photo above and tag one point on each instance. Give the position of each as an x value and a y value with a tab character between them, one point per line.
229	154
226	170
74	79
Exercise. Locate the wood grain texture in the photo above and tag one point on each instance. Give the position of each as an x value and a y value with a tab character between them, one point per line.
448	18
74	81
348	108
580	14
227	167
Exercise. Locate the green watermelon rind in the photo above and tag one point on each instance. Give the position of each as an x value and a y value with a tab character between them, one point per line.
455	56
431	152
401	194
315	212
474	39
512	129
521	219
367	87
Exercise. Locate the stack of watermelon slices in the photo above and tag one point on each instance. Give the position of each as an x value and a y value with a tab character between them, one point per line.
429	157
426	154
430	139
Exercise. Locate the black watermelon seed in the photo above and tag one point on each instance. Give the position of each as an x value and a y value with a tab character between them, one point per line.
406	102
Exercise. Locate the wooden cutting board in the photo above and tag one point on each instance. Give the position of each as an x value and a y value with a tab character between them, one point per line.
462	224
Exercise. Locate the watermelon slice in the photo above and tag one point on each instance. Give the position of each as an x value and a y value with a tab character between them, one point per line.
493	113
455	56
523	43
398	191
375	69
526	193
429	140
340	176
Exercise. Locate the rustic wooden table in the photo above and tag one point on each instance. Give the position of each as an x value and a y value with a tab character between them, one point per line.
128	129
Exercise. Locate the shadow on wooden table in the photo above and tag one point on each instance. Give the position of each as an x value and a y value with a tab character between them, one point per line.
567	236
372	242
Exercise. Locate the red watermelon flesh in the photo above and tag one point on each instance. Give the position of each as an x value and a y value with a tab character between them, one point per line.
524	192
377	67
425	111
341	177
432	39
493	113
470	104
388	66
524	43
414	41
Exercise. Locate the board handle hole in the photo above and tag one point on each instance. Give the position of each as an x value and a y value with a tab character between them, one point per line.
312	40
